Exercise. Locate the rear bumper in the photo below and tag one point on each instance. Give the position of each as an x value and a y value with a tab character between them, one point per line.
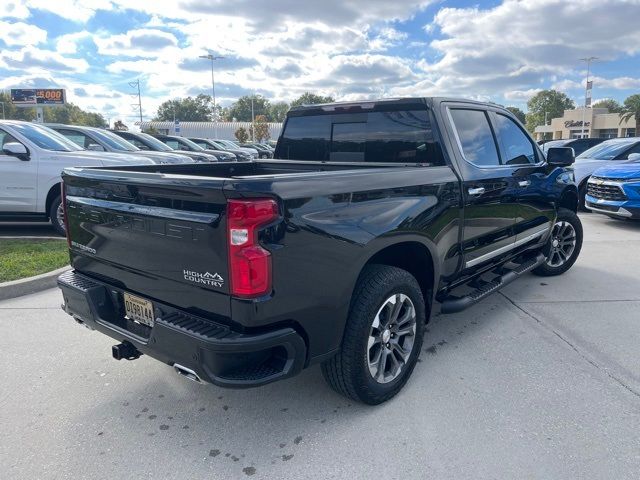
213	351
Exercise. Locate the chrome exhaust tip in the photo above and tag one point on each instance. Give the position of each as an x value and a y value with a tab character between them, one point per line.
187	373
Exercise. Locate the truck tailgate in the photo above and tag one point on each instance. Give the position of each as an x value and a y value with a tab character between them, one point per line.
157	235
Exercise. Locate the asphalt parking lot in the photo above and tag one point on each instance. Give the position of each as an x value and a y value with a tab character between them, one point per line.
539	381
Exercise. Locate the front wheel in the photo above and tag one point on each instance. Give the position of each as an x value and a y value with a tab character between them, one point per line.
382	338
564	245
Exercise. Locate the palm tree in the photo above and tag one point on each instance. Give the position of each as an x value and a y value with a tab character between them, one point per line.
631	109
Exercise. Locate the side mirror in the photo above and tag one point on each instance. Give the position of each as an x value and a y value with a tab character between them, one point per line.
16	149
560	156
634	157
95	147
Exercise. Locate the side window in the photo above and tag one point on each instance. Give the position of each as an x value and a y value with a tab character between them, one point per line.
476	139
516	147
138	143
625	155
173	144
6	138
76	137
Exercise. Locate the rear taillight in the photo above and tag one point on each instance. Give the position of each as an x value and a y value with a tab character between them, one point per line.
249	263
63	199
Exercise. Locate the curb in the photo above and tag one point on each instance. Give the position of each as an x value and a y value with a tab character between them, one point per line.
29	237
25	286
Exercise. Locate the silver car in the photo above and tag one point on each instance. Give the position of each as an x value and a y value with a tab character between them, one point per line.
98	139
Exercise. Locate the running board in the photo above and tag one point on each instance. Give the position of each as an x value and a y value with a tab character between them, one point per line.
454	304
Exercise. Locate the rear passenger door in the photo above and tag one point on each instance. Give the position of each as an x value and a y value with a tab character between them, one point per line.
535	208
489	188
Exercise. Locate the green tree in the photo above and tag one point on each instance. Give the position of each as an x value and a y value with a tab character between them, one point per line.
631	109
609	103
11	112
552	102
260	129
241	135
190	109
309	98
241	110
519	114
70	114
278	111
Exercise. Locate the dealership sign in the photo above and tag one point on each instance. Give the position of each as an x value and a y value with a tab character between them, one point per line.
574	123
33	97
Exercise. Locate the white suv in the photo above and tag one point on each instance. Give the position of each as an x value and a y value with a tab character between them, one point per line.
31	160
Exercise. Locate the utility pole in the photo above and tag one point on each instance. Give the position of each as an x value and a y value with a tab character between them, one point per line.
253	120
212	58
588	60
136	84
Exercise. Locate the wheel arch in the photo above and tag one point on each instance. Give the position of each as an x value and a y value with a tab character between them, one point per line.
53	193
412	255
569	199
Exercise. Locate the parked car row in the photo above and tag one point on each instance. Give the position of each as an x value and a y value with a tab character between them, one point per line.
32	157
608	178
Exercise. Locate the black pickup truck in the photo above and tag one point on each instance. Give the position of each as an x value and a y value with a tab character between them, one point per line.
335	252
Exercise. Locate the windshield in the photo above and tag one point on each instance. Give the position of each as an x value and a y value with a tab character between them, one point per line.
218	144
154	143
193	145
114	141
607	150
46	138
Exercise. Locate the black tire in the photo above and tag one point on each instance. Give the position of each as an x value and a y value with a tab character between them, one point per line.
582	192
547	269
348	373
58	225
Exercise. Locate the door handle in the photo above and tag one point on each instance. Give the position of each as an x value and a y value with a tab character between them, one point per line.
476	191
524	183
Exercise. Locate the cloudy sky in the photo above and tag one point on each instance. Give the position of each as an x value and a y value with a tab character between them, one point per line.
491	50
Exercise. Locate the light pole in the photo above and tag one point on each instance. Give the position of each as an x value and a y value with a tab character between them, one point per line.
212	58
586	89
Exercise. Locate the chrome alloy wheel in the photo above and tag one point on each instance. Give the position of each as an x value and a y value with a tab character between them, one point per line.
563	244
60	216
391	338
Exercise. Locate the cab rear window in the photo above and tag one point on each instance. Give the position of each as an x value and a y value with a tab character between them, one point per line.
403	136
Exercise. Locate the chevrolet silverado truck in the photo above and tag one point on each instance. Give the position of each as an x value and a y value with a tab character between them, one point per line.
371	216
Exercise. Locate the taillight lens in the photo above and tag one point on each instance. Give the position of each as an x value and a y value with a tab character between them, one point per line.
249	263
63	199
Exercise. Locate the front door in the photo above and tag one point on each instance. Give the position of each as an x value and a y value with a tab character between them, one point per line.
536	210
489	189
18	180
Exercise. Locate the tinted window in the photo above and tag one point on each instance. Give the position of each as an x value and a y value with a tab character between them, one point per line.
391	137
634	149
46	138
173	144
607	150
78	138
517	148
475	137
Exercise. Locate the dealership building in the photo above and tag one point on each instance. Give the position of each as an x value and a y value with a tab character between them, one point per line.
598	123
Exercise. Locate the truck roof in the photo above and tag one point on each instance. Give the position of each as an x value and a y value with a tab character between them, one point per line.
381	104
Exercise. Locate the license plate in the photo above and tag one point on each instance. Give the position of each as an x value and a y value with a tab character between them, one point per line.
138	309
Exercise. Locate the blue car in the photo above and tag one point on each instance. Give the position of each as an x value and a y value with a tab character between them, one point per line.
615	190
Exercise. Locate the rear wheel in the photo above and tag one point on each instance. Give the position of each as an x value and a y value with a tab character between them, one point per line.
382	338
564	244
56	215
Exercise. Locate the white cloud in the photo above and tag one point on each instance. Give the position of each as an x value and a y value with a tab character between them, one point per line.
75	10
68	44
20	33
31	59
144	42
13	9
